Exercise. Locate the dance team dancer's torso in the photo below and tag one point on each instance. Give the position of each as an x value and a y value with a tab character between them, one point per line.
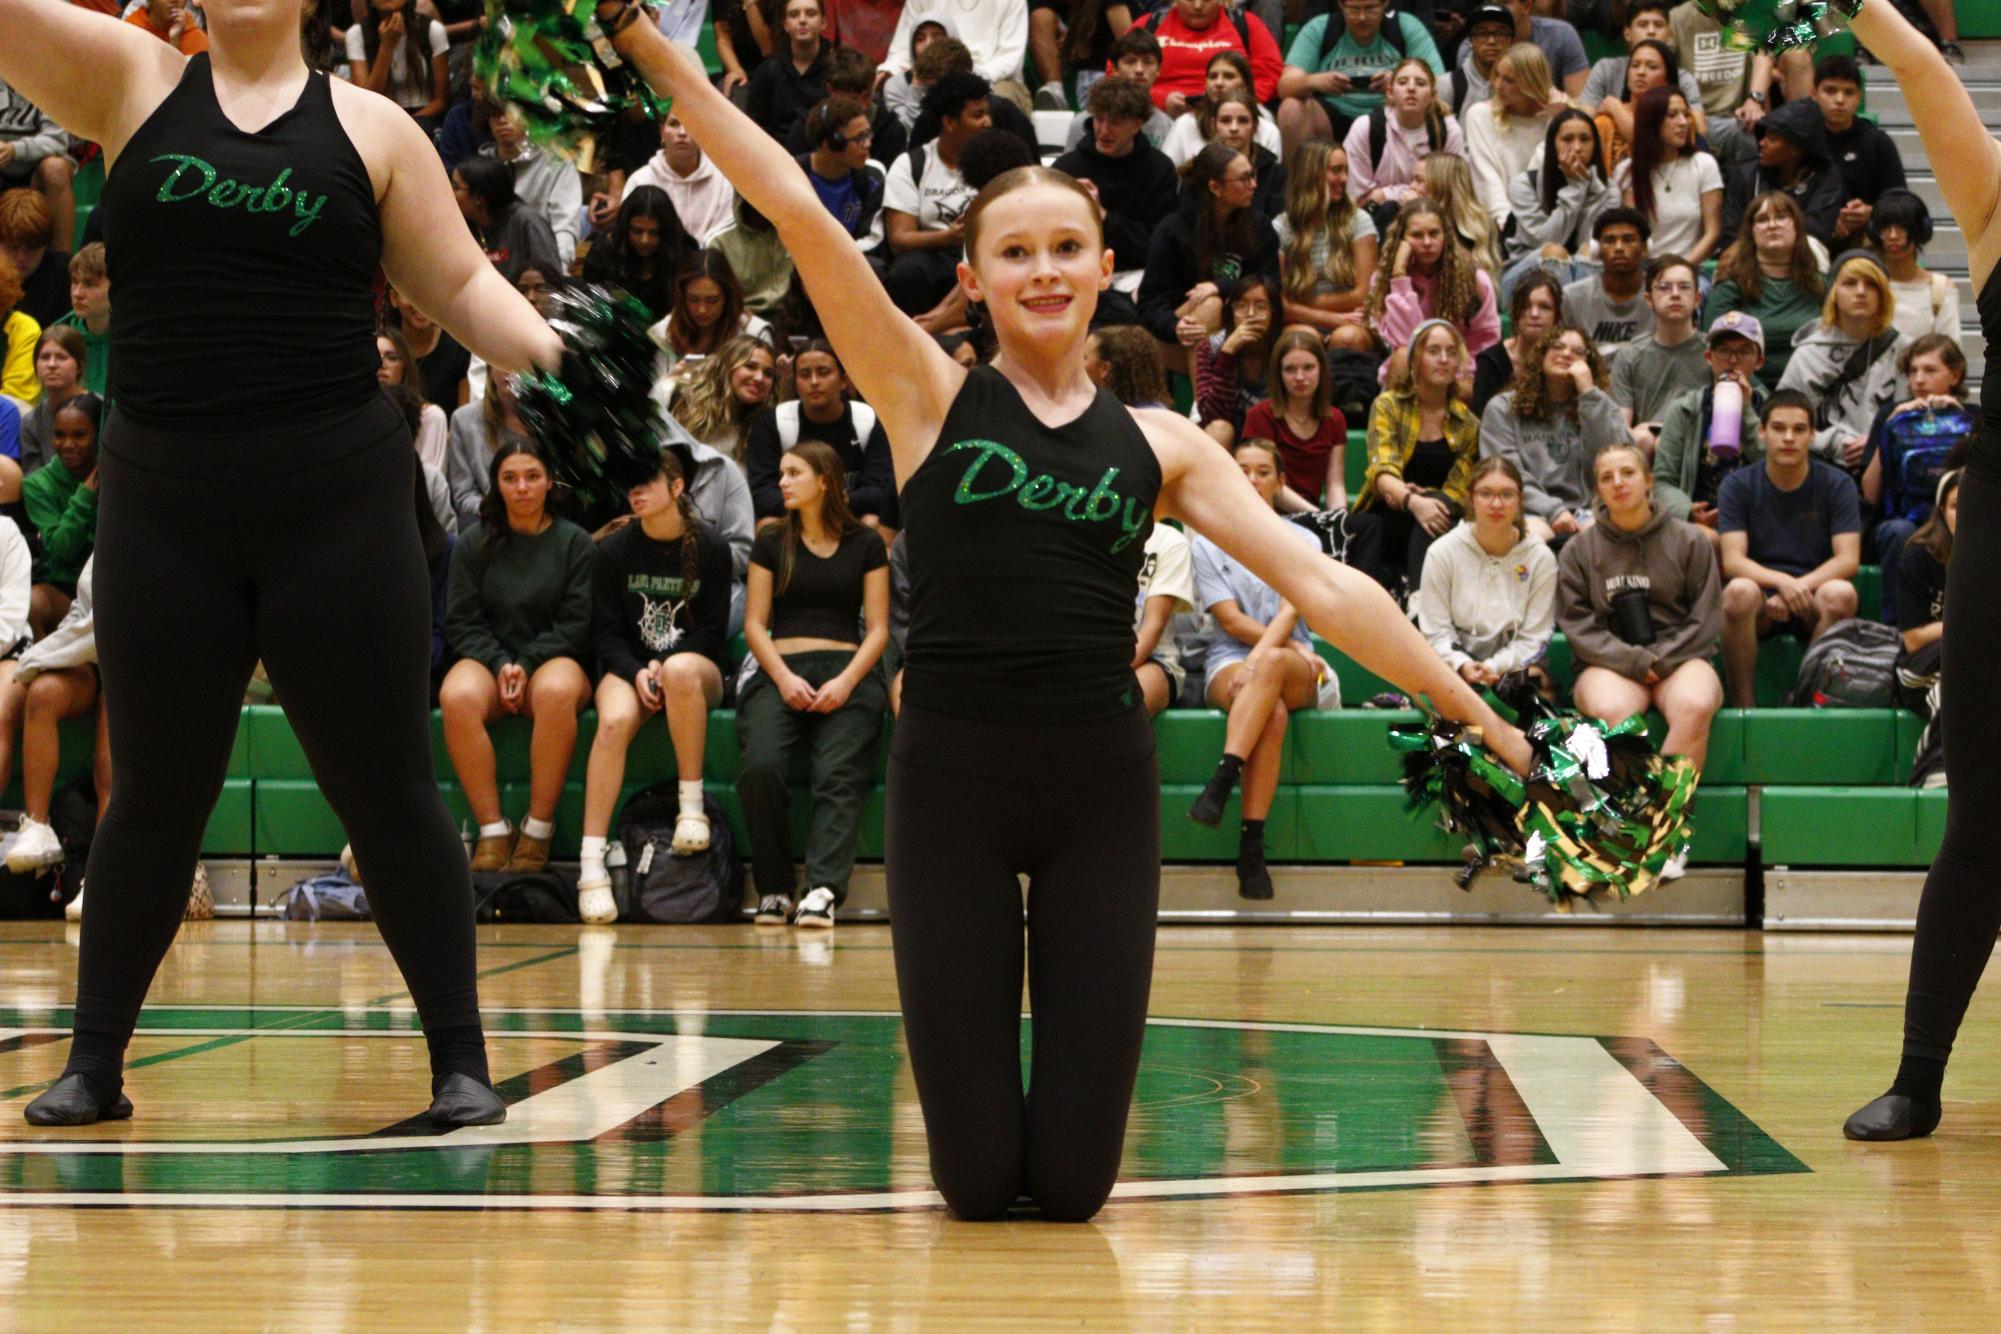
244	264
1985	457
1025	545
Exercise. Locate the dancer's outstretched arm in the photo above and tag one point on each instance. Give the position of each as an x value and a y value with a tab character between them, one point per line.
1202	486
898	368
94	76
1964	155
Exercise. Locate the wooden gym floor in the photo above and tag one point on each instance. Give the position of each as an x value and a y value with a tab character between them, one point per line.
1495	1128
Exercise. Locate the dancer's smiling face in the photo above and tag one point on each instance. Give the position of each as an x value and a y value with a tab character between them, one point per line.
1038	262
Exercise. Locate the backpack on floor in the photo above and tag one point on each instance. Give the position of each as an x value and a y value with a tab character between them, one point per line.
673	890
43	894
1852	666
545	896
324	898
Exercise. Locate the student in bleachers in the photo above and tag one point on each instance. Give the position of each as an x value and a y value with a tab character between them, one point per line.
1423	441
1488	601
1490	31
1505	133
1233	366
1921	570
708	311
1609	92
759	259
1611	304
60	362
1427	275
1412	125
42	685
1533	310
1650	373
398	51
1558	42
1330	85
1737	85
661	611
90	314
38	156
1214	238
61	500
1134	56
27	238
1125	360
519	618
441	362
1863	154
1555	204
1261	669
1847	364
1189	32
1906	456
1448	183
822	412
1136	184
176	24
1166	590
1638	599
1674	185
1550	425
744	39
1230	118
1688	471
545	183
793	79
995	31
865	26
926	196
817	621
1309	431
839	161
1328	248
1227	72
396	370
1770	273
475	433
1900	227
701	197
1650	65
851	75
948	56
1791	543
514	236
1793	158
717	397
18	335
643	250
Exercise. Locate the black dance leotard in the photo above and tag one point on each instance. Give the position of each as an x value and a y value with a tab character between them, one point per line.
1985	457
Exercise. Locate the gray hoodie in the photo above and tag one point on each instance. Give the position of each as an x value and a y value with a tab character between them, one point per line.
1496	610
1554	455
549	185
71	644
1848	403
1672	561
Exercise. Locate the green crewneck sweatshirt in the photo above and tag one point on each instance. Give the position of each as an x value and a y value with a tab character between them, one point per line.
526	603
64	513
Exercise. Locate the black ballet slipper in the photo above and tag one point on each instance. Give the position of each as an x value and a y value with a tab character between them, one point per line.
462	1100
1892	1117
70	1101
1210	801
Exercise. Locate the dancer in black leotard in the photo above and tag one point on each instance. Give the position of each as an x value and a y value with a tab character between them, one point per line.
1023	745
256	495
1961	908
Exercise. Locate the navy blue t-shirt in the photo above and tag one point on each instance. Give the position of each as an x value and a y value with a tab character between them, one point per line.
840	197
1794	530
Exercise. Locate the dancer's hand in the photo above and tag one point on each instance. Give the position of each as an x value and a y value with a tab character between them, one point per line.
1512	745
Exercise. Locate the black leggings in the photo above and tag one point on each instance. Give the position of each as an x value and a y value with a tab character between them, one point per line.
1076	808
208	560
1961	908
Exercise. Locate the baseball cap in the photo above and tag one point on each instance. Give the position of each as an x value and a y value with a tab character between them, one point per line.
1736	324
1490	14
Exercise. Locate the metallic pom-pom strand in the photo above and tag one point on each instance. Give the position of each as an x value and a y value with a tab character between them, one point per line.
550	65
594	416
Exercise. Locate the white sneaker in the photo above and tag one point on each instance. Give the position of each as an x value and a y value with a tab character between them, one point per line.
691	834
73	910
594	901
34	848
816	909
1675	867
773	910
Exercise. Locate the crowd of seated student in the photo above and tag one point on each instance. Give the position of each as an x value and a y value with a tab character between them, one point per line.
1285	223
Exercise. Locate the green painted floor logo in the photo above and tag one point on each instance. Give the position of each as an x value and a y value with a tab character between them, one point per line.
652	1110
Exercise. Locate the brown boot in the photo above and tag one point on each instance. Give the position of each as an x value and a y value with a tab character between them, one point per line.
492	852
530	855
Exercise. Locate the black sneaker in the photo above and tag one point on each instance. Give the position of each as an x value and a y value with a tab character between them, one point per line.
773	910
1952	53
1215	795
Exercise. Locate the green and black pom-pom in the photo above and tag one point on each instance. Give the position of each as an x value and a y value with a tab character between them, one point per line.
1598	816
1778	26
594	416
550	65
